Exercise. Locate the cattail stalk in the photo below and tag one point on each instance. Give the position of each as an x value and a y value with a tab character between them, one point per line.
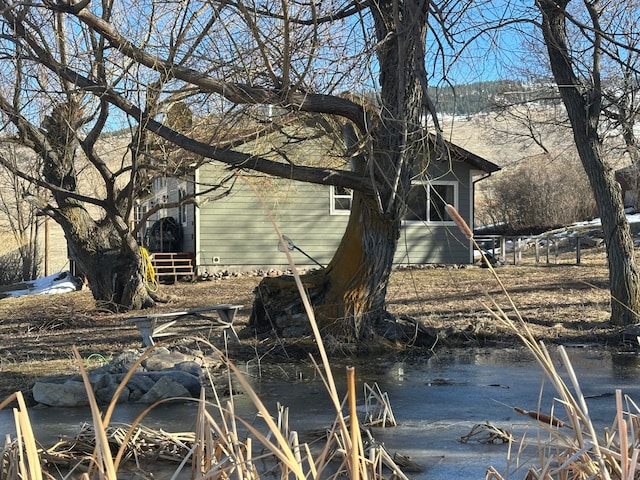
458	220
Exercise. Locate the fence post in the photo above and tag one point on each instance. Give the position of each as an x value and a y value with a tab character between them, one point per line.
547	245
578	259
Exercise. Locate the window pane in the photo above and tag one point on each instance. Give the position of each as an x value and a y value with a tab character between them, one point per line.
342	203
342	198
417	204
440	195
341	191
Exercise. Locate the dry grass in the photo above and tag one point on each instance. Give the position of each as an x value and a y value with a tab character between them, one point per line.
218	452
222	446
562	302
448	300
576	451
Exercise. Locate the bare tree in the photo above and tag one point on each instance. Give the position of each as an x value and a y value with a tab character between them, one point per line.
77	178
228	59
577	39
20	217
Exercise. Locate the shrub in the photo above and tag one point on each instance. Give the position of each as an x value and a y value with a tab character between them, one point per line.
10	268
535	195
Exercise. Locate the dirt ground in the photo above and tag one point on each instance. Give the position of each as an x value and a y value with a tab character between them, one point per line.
561	302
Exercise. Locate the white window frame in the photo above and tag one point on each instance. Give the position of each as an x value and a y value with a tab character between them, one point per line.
427	185
139	210
335	196
183	213
159	183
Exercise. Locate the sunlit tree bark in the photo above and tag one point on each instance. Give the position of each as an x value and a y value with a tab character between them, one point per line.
582	97
309	60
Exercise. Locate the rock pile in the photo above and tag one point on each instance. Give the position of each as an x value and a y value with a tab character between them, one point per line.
163	374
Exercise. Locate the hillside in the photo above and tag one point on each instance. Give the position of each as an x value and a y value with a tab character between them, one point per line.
484	97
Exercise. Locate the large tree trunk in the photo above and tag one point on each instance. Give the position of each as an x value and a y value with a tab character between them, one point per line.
111	261
105	251
624	277
583	104
349	294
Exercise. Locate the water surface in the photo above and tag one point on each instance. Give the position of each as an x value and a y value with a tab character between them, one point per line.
435	400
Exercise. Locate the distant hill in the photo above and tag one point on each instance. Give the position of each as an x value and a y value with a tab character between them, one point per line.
484	97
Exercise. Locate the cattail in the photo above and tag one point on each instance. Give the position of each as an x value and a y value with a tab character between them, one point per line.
541	417
458	220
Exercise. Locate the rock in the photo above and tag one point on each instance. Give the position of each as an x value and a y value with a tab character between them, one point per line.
105	395
139	381
67	394
124	361
101	380
104	389
181	371
292	325
190	382
165	361
161	351
192	368
164	388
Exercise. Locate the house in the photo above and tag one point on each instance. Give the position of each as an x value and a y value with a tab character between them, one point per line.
236	231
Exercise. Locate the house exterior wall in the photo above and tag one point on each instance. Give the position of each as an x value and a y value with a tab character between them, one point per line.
236	232
170	190
53	246
440	242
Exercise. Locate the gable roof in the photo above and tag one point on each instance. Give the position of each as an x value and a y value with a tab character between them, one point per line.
466	156
255	133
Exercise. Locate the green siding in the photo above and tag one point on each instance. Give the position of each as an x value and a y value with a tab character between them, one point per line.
424	242
236	231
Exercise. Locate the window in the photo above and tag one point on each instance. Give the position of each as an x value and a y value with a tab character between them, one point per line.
182	209
426	201
341	199
159	183
138	212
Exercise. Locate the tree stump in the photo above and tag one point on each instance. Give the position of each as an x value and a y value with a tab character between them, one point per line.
278	306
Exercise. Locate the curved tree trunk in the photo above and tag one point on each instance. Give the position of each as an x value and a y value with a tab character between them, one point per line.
358	274
105	250
349	294
111	264
583	103
624	277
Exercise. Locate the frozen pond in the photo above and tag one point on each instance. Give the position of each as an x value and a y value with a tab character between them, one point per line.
435	401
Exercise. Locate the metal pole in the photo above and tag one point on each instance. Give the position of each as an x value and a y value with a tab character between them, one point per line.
46	245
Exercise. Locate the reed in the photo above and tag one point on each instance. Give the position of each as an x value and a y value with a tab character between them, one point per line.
218	449
223	445
572	449
226	446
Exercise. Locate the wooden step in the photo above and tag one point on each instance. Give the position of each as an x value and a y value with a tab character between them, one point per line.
171	266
